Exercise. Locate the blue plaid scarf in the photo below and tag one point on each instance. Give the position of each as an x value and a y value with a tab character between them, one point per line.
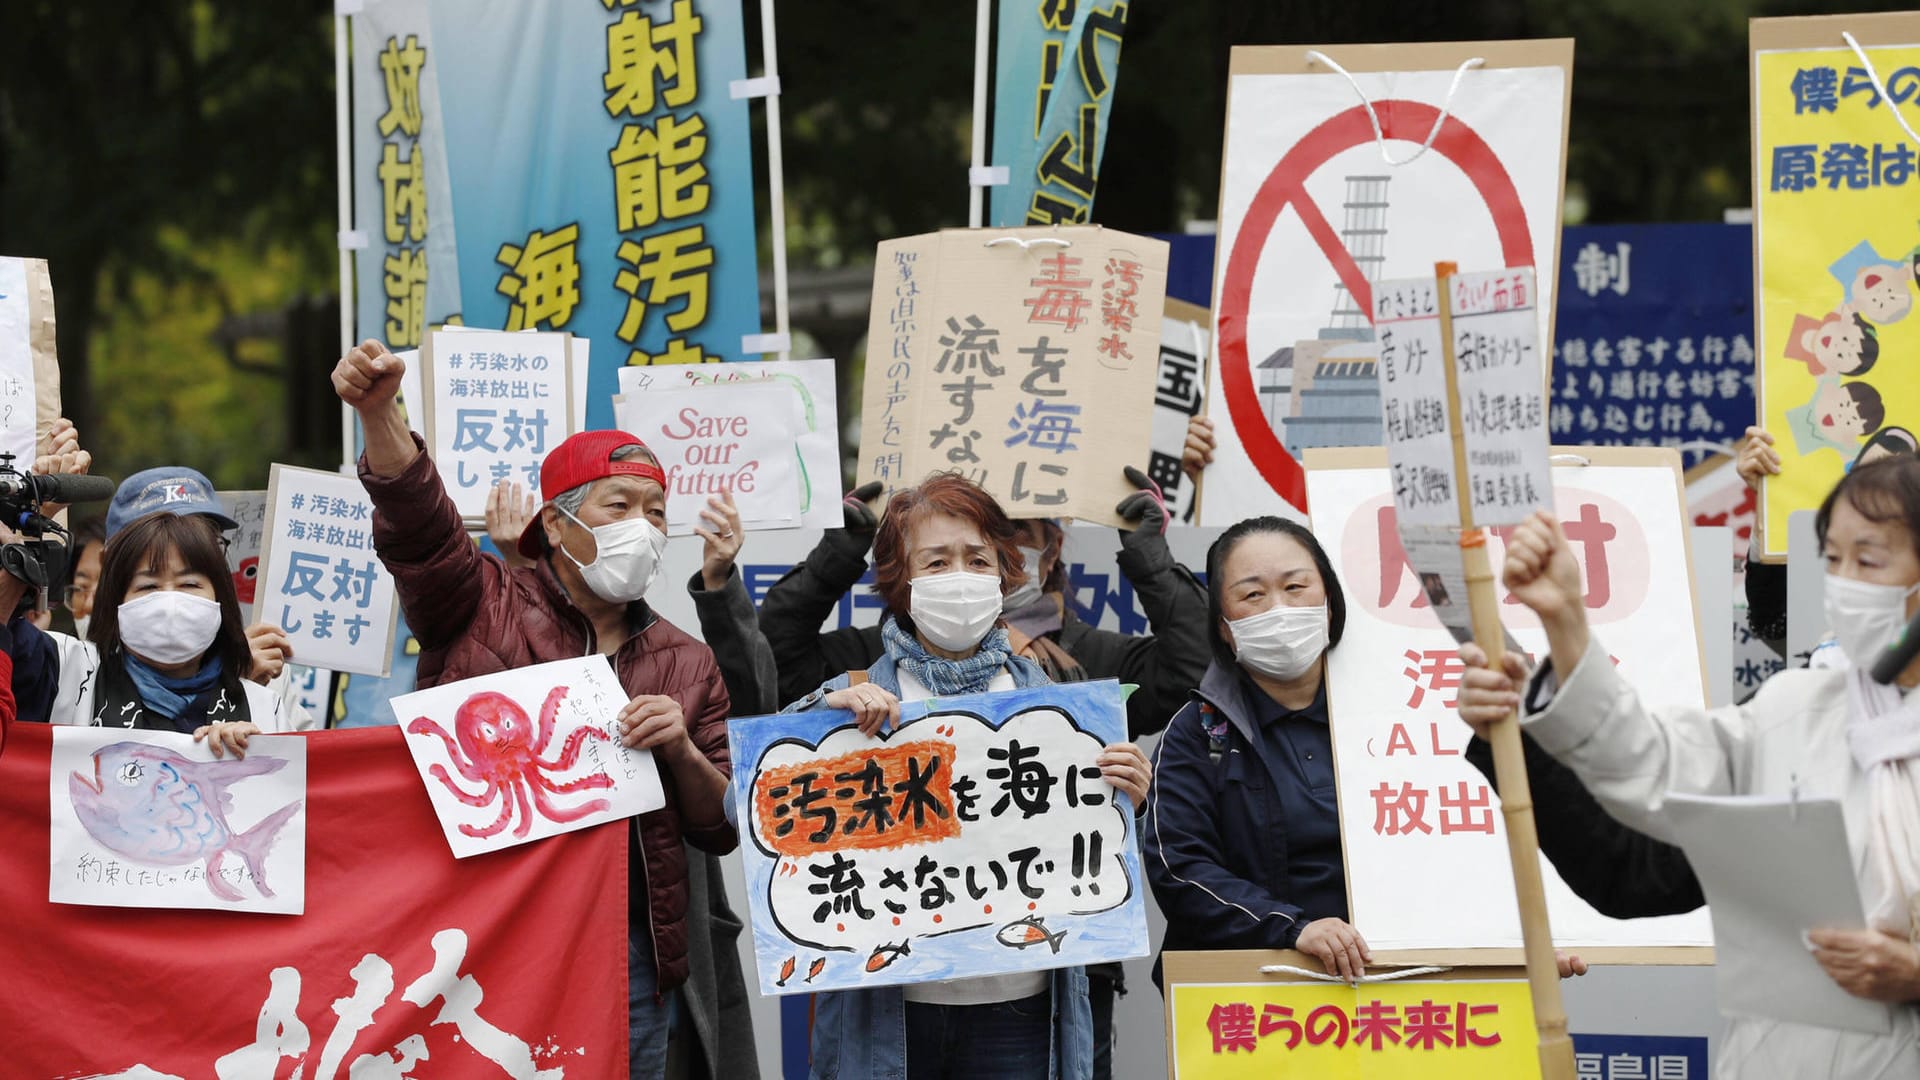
942	676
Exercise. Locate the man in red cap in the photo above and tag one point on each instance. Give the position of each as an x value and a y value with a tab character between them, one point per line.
596	547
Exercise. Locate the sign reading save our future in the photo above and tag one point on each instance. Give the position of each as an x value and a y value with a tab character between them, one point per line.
975	838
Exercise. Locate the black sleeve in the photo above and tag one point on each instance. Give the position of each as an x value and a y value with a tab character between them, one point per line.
1767	603
36	670
731	629
793	610
1624	874
1171	663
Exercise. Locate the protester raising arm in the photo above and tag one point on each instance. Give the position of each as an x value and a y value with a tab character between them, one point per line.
1173	658
794	609
440	576
728	622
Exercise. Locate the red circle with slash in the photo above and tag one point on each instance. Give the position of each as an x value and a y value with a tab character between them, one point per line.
1286	186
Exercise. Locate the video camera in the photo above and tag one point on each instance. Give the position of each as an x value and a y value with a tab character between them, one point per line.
39	558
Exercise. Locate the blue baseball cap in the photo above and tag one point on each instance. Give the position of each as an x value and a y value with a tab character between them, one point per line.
172	490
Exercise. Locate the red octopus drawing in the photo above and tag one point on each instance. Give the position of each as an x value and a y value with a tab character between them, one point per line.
498	748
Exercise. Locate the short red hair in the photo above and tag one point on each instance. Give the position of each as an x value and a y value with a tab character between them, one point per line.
941	493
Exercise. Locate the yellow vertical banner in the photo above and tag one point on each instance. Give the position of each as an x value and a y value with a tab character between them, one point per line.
1836	247
1231	1017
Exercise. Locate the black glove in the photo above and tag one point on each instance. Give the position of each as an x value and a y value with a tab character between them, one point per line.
1146	508
856	535
860	516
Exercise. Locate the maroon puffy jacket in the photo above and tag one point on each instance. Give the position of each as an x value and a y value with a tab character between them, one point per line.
475	616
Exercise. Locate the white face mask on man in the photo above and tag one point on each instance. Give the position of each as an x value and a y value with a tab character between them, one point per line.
1864	617
168	626
956	609
626	561
1281	642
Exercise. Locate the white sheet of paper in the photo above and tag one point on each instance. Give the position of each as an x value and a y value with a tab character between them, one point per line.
552	729
1503	393
496	403
320	579
738	437
1413	400
17	419
812	383
1747	850
249	508
152	819
578	349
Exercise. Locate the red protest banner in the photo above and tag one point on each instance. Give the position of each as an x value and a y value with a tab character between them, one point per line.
511	964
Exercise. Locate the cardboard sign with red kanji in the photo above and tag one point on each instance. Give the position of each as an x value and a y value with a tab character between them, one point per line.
1023	359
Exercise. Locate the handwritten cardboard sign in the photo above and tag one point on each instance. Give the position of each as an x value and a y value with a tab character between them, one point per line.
1413	400
816	444
736	438
521	755
325	586
152	819
976	838
1025	359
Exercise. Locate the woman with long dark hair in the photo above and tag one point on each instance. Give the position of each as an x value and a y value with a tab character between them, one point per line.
166	644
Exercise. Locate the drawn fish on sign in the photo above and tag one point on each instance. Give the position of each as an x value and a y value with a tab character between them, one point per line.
786	971
819	966
885	955
1021	933
156	808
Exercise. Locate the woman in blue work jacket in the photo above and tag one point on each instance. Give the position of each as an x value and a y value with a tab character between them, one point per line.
1242	833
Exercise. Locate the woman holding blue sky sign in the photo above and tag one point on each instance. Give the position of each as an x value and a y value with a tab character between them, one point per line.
945	556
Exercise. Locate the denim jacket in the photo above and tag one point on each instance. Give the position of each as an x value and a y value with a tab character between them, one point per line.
862	1034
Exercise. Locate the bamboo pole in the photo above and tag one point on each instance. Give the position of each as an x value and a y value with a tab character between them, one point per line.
1509	757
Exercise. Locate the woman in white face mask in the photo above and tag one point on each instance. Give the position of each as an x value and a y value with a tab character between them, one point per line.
1242	836
1825	734
944	558
166	645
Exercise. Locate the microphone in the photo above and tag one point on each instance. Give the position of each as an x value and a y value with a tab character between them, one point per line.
1895	657
58	487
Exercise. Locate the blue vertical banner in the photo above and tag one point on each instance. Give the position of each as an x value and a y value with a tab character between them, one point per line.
600	173
1654	339
409	275
1054	72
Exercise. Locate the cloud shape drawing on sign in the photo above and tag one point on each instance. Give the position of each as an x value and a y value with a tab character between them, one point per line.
942	826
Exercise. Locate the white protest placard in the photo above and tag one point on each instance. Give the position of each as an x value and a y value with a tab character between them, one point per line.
324	585
521	755
713	439
1179	393
1334	179
496	403
1413	398
1503	397
811	384
249	510
976	837
27	364
152	819
1411	808
579	350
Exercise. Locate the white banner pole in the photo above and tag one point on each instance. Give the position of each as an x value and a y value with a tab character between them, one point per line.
776	178
343	153
976	193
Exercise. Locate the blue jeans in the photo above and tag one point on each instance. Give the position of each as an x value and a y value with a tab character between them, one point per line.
1008	1040
648	1021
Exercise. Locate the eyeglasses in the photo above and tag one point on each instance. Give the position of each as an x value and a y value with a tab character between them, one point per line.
72	593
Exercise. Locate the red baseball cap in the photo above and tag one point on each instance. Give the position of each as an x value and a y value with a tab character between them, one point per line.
582	459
